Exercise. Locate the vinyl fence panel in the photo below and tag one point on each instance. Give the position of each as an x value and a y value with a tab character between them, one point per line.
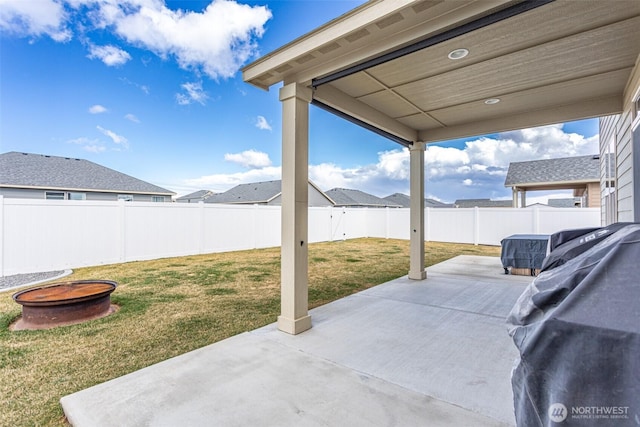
45	235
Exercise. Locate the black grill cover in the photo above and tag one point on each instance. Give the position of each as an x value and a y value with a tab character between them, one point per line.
577	329
568	244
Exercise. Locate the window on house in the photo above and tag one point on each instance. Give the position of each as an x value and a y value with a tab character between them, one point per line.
54	195
157	199
77	196
126	197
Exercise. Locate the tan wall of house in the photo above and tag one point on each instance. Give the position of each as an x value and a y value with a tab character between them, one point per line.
618	128
593	195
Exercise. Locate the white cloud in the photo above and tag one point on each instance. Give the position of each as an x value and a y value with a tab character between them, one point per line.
217	40
249	159
223	182
477	170
112	56
117	139
27	17
90	145
94	148
132	118
142	87
97	109
262	123
194	93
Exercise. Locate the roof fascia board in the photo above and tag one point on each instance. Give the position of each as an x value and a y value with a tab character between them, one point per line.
358	111
633	83
580	110
88	190
332	30
353	21
577	183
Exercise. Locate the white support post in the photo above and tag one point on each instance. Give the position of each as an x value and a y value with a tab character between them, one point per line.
523	198
416	188
514	197
294	317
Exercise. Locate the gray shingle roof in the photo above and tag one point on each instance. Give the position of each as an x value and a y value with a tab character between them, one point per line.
357	198
255	192
482	203
567	169
196	196
399	199
405	201
42	171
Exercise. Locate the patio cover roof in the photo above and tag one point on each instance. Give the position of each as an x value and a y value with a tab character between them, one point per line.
385	64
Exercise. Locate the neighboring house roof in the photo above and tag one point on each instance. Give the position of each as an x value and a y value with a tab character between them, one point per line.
405	201
357	198
399	199
196	196
255	193
550	173
482	203
26	170
432	203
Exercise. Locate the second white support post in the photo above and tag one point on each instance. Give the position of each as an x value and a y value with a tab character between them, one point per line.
416	188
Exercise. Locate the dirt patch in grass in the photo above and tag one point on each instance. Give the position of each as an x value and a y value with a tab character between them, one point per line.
172	306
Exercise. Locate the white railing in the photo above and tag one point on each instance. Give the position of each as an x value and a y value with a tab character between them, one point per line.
45	235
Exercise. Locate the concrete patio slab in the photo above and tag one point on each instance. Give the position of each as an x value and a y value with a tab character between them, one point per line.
432	352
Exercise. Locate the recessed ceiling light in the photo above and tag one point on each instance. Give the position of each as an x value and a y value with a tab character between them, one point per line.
492	101
458	54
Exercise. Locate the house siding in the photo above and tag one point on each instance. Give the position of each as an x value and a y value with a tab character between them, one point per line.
607	137
620	127
37	193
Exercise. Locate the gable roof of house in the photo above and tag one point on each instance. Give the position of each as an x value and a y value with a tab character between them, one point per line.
554	172
254	192
405	201
482	203
350	197
26	170
196	195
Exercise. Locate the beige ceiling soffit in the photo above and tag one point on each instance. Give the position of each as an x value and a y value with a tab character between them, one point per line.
551	115
339	100
332	38
381	45
417	110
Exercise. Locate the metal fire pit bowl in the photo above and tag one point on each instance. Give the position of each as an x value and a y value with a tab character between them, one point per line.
62	304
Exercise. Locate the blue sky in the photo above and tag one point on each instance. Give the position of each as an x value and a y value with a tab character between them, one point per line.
152	88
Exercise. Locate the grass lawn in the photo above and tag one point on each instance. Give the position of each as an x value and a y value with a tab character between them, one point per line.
171	306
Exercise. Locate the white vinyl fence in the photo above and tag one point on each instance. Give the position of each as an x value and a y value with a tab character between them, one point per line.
46	235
